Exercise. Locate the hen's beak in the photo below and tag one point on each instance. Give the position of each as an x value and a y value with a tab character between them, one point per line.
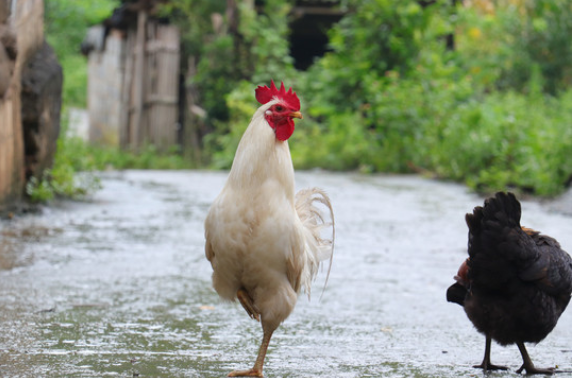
296	115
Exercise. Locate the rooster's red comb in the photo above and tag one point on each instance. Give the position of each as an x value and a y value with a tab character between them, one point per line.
265	94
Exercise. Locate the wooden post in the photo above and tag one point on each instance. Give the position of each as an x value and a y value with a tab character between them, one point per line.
125	116
191	133
4	11
139	81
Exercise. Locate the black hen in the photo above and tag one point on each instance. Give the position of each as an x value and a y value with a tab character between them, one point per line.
516	282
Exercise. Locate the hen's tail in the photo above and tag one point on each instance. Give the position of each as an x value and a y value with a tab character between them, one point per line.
500	213
498	247
317	248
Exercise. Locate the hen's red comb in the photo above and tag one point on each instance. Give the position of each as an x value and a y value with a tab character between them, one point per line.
265	94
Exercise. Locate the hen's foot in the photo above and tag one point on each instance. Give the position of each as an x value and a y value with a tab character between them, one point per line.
534	370
246	373
486	364
528	365
251	310
486	367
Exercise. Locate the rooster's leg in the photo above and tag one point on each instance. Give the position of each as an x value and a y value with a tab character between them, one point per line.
486	364
528	365
246	302
256	371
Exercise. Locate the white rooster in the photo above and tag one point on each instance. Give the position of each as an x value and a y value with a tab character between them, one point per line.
264	243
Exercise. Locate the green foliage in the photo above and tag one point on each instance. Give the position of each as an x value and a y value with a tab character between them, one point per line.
106	157
266	37
74	91
542	39
378	36
216	77
76	155
213	51
340	145
65	179
66	25
39	190
194	20
497	143
256	49
506	44
382	35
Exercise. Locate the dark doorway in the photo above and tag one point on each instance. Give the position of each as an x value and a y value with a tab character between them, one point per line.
311	20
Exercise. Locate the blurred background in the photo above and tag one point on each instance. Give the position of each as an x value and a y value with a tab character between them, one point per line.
475	91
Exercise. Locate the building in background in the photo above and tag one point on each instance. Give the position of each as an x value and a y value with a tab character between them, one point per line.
137	94
133	78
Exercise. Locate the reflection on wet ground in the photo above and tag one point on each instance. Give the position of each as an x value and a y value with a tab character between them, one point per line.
119	286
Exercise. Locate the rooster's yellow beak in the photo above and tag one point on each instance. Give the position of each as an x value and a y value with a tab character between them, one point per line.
296	115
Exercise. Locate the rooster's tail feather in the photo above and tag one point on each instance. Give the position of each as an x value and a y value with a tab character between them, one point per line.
317	248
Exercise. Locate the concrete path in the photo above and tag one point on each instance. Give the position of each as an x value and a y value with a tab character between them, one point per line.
119	287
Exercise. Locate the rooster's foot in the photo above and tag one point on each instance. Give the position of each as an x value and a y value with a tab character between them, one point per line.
246	373
252	311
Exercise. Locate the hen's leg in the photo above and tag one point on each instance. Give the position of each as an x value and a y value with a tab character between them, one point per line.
256	370
486	364
246	302
528	365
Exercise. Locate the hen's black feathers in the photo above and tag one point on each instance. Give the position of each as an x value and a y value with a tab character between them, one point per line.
504	256
518	281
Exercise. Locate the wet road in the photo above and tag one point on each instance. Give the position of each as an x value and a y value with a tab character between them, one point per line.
119	286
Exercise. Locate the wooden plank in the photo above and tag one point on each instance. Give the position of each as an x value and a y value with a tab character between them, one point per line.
162	101
163	46
139	80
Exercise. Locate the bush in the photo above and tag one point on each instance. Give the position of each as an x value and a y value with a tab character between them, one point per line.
64	179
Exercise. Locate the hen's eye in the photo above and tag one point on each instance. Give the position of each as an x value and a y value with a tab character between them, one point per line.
279	108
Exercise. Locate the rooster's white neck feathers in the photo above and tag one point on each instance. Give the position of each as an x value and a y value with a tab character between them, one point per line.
260	157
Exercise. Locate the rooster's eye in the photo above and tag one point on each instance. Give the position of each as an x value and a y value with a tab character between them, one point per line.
279	108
